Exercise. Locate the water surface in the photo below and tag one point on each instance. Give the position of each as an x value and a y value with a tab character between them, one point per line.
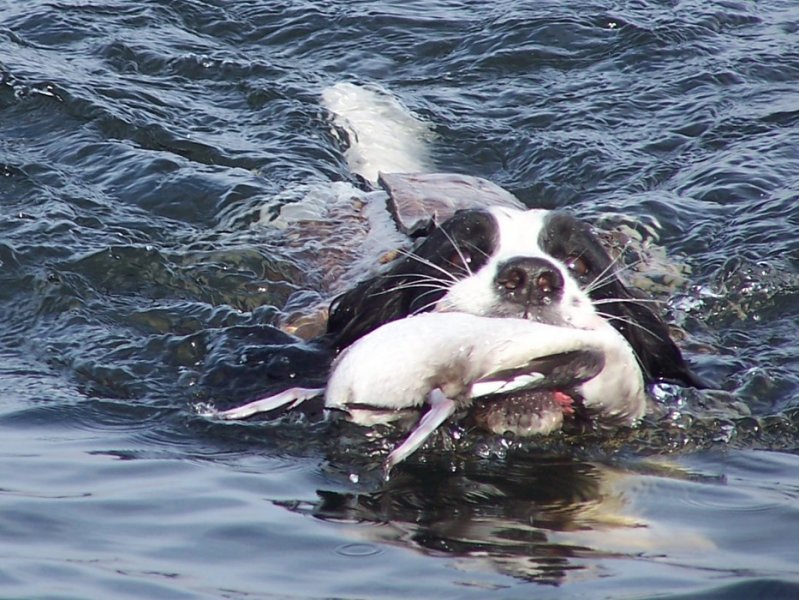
139	145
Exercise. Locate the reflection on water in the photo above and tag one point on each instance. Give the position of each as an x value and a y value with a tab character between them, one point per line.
505	517
536	518
556	520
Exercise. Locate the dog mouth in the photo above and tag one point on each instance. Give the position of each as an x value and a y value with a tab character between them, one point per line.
548	312
525	413
542	314
541	406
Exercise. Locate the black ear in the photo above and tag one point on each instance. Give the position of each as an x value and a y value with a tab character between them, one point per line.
364	308
659	356
405	289
565	237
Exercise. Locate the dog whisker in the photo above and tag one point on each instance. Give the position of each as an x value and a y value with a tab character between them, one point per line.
630	322
464	261
419	278
629	301
410	286
611	272
426	262
426	307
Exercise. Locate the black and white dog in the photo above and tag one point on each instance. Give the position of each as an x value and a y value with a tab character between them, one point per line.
543	328
517	316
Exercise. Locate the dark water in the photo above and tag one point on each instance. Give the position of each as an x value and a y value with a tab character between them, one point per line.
139	142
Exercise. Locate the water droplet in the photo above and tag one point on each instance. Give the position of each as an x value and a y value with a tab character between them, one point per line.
204	409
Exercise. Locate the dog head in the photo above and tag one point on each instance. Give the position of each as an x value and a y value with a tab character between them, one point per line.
537	264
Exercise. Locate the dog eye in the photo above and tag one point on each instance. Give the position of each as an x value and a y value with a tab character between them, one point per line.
460	258
577	265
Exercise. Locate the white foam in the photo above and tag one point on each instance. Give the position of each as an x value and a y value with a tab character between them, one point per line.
384	135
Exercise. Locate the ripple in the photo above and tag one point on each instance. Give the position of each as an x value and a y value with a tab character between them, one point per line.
358	550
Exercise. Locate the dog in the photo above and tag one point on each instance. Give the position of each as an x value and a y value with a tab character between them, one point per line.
522	310
520	278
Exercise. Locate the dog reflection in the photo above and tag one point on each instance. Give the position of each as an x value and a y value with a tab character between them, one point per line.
530	519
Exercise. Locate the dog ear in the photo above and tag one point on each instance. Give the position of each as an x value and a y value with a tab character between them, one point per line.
376	301
658	355
360	310
414	284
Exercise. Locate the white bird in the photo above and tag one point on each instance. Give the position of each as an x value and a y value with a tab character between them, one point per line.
445	359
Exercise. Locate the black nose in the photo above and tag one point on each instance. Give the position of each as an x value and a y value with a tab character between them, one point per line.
529	281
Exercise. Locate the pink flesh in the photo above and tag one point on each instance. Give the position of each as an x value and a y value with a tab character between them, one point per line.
565	401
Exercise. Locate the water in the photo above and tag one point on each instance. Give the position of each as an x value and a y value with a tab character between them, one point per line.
142	143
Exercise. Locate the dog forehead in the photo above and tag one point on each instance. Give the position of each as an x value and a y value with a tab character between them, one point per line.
520	230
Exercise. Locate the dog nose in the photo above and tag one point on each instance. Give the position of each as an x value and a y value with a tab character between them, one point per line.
529	281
